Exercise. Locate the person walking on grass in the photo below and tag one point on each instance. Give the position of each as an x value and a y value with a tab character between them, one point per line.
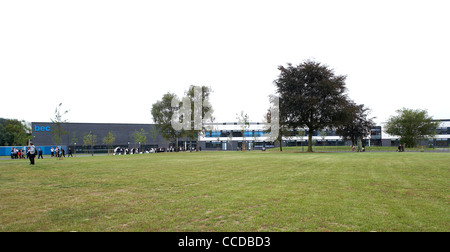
40	154
32	153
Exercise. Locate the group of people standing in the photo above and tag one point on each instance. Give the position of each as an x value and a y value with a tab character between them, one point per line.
30	152
60	152
18	153
125	151
26	153
358	148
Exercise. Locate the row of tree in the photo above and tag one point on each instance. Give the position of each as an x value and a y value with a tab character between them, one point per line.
311	97
90	140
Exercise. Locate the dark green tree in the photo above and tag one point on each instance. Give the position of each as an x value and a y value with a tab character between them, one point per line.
4	136
14	132
354	122
311	95
411	125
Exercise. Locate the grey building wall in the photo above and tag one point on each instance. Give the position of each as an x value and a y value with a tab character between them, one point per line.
386	142
123	132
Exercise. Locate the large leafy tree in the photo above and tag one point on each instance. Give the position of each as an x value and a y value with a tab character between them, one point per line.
311	95
201	110
354	122
196	102
162	112
4	136
14	132
411	125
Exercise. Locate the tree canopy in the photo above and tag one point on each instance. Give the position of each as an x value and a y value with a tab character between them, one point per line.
191	112
201	110
411	126
311	96
14	132
162	112
354	122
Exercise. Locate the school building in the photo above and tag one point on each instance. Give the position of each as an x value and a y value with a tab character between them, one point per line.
220	136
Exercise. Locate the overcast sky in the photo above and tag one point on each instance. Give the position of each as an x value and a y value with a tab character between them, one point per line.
109	61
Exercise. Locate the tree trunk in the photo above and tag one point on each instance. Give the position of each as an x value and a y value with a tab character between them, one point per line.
310	133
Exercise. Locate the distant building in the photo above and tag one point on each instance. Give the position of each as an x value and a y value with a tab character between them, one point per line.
222	136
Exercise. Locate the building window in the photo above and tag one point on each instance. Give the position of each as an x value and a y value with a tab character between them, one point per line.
213	145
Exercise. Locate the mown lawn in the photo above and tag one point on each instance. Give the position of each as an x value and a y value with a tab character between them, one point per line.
228	191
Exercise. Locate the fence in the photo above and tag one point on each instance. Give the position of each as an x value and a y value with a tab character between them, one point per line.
46	150
6	150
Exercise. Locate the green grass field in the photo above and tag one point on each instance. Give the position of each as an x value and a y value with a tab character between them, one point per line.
228	191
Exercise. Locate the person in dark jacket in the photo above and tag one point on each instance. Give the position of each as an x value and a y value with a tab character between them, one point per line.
32	153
